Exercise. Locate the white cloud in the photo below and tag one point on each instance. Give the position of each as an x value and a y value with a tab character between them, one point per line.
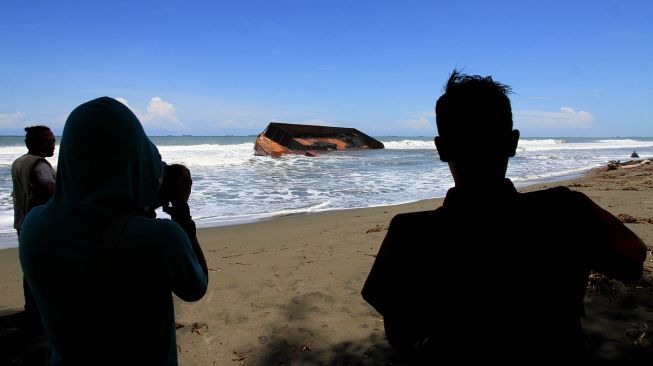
123	101
419	124
227	124
412	124
14	123
160	116
566	117
12	120
161	112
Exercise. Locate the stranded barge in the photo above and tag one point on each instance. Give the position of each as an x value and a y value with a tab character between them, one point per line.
286	138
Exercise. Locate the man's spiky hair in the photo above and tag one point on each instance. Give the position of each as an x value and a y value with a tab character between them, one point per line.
457	79
473	103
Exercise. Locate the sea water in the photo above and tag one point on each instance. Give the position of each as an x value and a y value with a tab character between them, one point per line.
231	185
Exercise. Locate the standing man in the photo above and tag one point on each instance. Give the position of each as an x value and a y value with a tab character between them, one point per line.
94	257
33	179
493	274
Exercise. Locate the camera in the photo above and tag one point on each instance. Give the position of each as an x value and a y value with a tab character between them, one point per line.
175	186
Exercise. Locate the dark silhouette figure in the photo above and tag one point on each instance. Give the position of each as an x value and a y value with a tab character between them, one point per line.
634	154
493	274
33	185
101	269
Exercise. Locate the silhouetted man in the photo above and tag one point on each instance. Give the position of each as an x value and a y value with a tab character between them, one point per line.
493	274
33	180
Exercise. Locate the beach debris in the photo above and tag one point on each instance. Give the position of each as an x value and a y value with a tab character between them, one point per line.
198	328
373	255
630	164
628	219
286	138
179	325
613	164
634	154
240	357
602	285
579	185
645	338
636	165
608	176
366	354
376	229
305	347
630	188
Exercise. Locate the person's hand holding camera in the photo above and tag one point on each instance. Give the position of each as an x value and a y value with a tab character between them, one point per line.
175	190
178	182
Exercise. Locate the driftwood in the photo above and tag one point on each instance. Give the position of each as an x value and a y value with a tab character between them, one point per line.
628	219
617	164
613	164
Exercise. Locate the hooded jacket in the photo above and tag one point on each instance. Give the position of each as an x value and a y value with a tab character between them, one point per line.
107	166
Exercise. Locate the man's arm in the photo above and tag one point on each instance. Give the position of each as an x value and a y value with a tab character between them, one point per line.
180	187
620	253
42	182
385	289
180	213
185	264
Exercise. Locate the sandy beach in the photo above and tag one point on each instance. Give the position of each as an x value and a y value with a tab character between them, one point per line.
287	291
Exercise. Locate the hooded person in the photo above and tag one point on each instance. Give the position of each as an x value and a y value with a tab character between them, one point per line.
101	268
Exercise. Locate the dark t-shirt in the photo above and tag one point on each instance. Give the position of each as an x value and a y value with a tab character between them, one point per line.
495	277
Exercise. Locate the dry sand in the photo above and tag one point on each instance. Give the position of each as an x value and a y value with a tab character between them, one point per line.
287	291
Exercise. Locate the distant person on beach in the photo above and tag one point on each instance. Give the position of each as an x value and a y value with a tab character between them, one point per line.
101	268
493	274
33	181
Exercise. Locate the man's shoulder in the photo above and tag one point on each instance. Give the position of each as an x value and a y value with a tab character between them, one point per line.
19	161
28	156
552	193
41	161
28	160
561	199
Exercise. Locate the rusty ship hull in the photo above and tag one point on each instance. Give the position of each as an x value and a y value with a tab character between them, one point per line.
287	138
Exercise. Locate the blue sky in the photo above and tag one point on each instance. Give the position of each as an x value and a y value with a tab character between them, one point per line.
578	68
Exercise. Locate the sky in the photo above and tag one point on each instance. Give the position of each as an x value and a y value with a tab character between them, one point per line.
577	68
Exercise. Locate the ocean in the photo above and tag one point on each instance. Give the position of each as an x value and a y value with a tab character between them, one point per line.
232	186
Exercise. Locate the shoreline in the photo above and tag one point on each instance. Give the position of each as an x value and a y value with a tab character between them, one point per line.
10	240
287	290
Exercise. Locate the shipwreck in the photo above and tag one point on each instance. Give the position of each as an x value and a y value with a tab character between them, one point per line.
285	138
